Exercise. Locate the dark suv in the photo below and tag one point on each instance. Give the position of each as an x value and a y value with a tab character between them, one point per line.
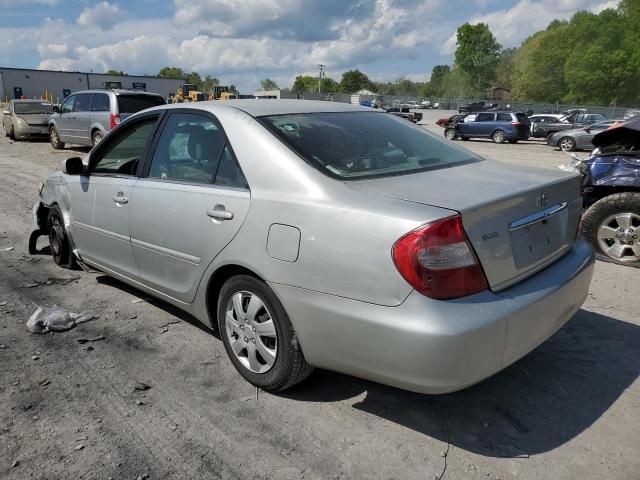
498	126
574	120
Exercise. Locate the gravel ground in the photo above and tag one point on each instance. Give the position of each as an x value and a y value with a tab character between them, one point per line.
158	397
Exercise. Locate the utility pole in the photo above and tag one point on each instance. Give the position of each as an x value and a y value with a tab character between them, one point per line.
320	75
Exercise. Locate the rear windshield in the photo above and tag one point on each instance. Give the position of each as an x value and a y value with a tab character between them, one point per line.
352	145
135	103
26	108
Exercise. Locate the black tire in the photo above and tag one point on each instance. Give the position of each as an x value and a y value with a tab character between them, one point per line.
466	139
54	138
513	141
567	144
450	133
61	250
290	366
96	137
599	212
498	136
12	134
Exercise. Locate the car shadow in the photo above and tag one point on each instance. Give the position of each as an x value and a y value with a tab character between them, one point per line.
541	402
161	304
536	405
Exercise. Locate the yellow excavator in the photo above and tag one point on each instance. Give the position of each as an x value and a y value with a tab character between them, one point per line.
188	92
221	92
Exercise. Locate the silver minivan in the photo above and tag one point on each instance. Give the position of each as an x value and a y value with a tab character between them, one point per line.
85	117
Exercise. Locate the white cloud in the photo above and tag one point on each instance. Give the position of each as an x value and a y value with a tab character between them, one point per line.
53	50
513	25
103	15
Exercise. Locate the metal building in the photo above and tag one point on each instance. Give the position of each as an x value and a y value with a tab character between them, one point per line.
57	85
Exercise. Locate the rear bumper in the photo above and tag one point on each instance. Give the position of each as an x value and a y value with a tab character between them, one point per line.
432	346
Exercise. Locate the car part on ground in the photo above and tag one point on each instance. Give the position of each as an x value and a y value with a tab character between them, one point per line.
272	255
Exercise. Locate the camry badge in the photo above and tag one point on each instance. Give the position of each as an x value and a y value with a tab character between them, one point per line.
542	200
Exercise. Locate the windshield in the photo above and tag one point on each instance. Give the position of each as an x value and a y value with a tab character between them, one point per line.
135	103
27	108
353	145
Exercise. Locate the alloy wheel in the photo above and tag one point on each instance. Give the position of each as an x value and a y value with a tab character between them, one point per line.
567	144
251	332
619	237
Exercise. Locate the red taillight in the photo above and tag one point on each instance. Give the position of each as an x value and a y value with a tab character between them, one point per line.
516	124
437	260
115	119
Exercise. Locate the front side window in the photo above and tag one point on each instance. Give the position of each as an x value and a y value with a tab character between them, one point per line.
83	103
67	106
354	145
123	153
189	149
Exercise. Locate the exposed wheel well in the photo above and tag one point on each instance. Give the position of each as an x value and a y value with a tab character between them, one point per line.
216	281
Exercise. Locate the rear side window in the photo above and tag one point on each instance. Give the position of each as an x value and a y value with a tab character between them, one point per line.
485	117
504	117
352	145
135	103
100	102
83	102
188	150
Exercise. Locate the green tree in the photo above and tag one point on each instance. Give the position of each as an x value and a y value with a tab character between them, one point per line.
439	75
477	55
171	72
307	83
116	73
208	83
505	68
268	84
354	80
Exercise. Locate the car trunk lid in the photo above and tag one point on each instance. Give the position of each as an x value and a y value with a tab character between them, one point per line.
518	219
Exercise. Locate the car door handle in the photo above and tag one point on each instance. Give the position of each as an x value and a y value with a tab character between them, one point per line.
219	213
120	200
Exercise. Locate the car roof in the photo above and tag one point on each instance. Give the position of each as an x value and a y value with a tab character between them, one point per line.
28	100
116	91
260	108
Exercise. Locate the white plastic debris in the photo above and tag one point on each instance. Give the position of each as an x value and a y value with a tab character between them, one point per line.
55	319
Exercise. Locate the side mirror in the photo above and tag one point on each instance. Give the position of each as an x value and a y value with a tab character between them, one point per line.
56	109
587	129
73	166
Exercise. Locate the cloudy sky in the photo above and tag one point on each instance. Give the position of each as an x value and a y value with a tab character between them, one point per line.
243	41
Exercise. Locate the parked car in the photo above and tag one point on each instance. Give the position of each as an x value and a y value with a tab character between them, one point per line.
578	138
498	126
425	104
86	117
569	122
611	185
406	113
544	118
631	113
472	107
453	119
26	119
454	265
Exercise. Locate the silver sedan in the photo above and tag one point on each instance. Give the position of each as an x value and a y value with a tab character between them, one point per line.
27	119
321	234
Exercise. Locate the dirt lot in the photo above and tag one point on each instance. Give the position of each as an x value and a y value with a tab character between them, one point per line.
71	410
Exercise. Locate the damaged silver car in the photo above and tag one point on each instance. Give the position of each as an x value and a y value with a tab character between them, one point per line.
321	234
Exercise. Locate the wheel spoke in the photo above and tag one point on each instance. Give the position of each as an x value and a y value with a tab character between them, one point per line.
605	232
255	304
253	360
266	329
624	220
238	346
635	248
237	306
616	250
267	354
